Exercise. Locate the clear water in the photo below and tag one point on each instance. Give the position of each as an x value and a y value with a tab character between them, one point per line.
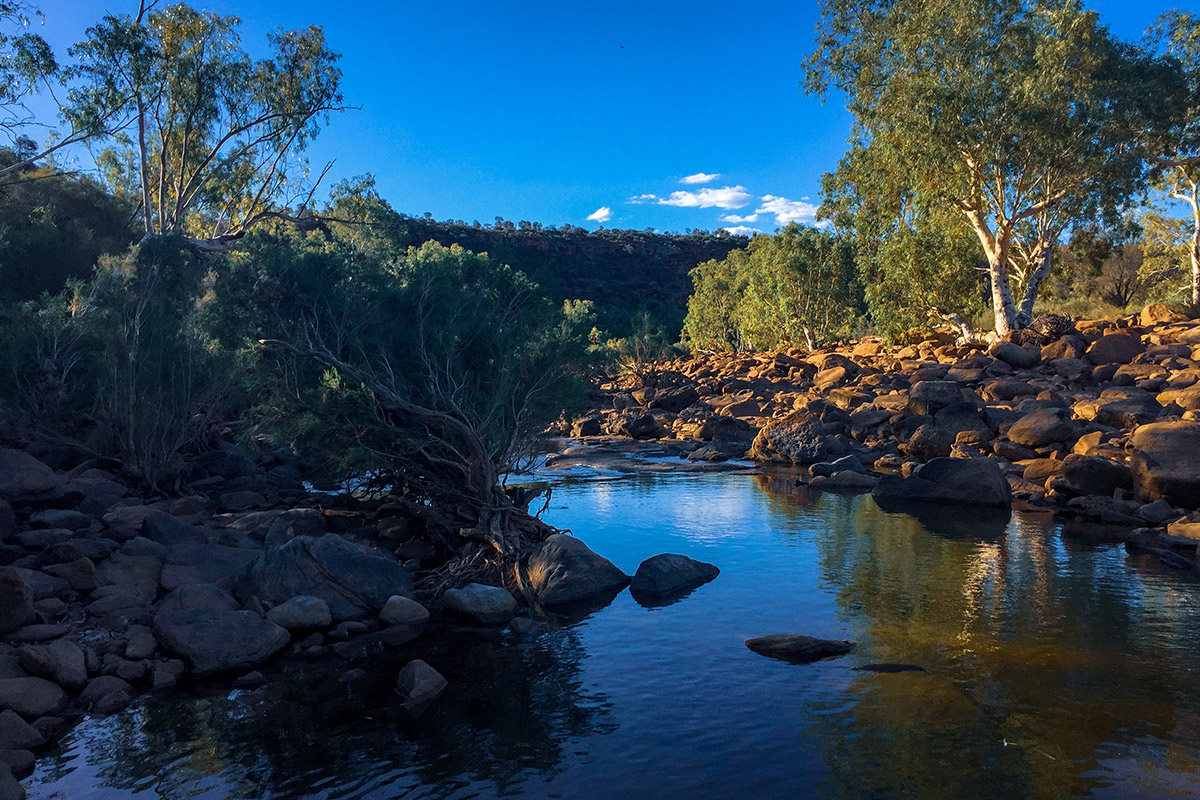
1056	666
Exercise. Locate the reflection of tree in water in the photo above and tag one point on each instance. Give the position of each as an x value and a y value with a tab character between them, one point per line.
508	715
1041	662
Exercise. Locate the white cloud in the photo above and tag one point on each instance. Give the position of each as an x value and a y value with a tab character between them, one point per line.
786	211
735	218
700	177
602	214
644	198
725	197
742	230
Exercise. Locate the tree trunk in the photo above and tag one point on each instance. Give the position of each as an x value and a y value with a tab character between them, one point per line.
1195	253
1004	308
1043	258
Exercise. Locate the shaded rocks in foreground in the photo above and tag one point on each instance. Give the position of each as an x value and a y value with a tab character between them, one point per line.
215	641
795	648
669	575
419	685
958	481
564	571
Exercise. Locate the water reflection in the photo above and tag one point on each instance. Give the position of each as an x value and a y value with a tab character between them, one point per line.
1055	666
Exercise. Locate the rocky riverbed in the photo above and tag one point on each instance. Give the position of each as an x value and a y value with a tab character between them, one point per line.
106	594
1100	420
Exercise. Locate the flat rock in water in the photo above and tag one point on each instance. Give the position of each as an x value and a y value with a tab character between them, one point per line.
798	649
670	574
353	580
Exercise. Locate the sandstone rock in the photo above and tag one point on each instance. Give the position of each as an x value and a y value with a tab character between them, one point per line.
669	574
1082	475
22	475
353	580
565	571
587	426
16	600
928	442
204	563
798	649
60	661
17	734
949	481
1042	427
929	397
419	685
197	597
403	611
1164	462
59	518
31	697
1014	355
1156	314
1116	348
480	604
304	612
798	438
219	641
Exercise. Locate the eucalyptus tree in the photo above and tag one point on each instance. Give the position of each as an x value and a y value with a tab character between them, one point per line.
215	138
1178	153
1017	116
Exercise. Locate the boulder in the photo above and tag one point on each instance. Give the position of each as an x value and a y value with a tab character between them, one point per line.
22	475
949	481
353	580
668	575
161	527
31	697
219	641
1116	348
1084	475
1014	355
419	685
304	612
204	563
1042	427
930	397
1164	462
16	600
17	734
928	442
60	519
106	692
566	571
798	438
10	787
197	597
480	604
60	661
797	649
1156	314
401	611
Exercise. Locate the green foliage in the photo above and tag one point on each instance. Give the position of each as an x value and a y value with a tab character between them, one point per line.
647	342
214	135
53	227
437	367
1018	117
921	277
796	288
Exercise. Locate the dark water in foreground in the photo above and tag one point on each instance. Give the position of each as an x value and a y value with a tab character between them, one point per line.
1056	667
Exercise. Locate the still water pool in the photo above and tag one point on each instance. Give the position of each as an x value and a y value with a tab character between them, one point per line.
1055	666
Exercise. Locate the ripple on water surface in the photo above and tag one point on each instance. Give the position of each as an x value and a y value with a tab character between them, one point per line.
1055	666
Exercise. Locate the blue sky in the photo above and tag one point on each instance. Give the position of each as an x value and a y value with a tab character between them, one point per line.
559	111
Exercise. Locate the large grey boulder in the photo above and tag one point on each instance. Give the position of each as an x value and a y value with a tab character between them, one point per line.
10	787
17	734
419	685
204	563
949	481
1084	475
31	697
668	575
797	649
405	619
301	613
353	580
1164	462
219	641
481	604
197	597
565	571
16	601
22	475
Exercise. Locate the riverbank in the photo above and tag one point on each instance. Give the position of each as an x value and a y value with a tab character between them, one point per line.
1095	419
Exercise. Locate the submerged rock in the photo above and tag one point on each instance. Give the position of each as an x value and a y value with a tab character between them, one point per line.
481	604
565	571
353	580
798	649
419	685
669	574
